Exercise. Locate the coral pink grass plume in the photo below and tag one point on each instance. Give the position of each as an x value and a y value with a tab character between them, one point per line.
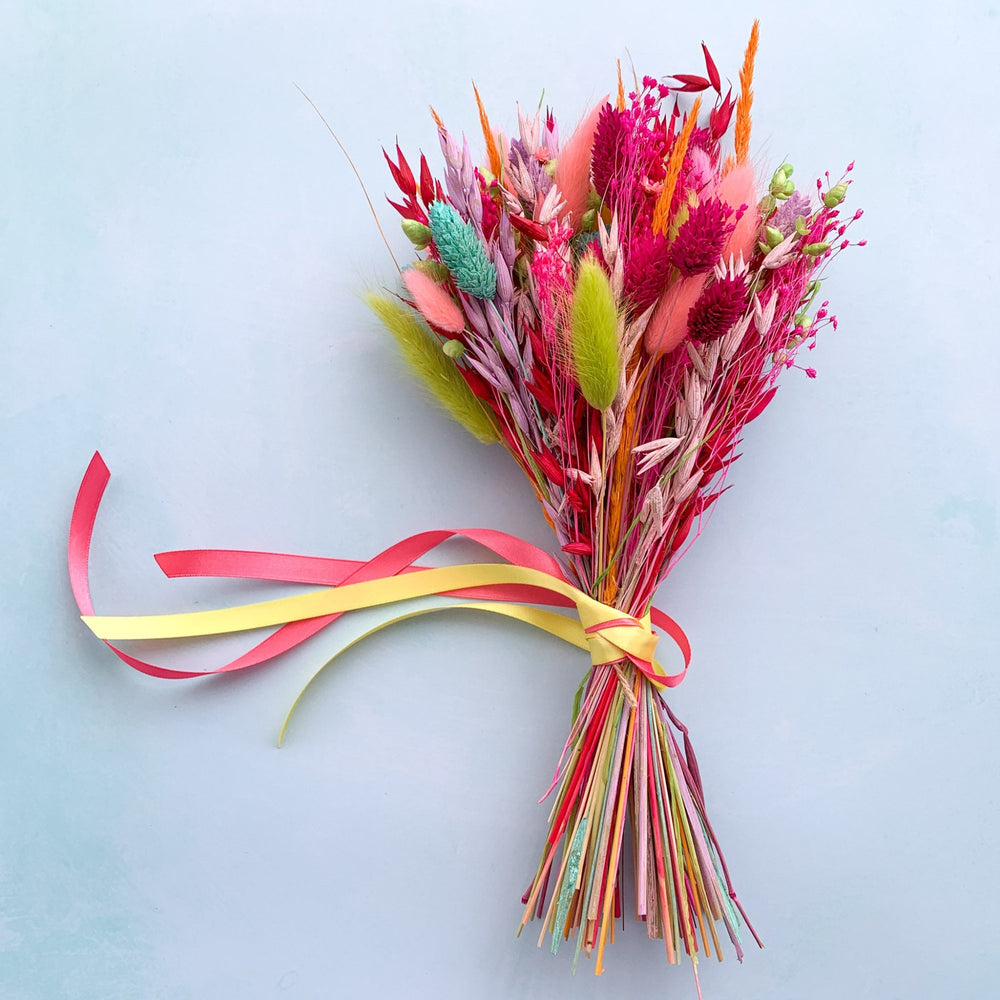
622	305
433	301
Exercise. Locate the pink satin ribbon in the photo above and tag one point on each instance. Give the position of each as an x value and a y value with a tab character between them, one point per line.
397	559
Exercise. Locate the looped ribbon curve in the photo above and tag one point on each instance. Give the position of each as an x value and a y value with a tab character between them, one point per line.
529	577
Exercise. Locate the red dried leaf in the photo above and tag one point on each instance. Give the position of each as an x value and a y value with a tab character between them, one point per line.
479	386
546	461
691	84
758	408
543	394
533	230
394	170
713	72
406	211
680	536
406	174
426	181
579	548
720	117
576	500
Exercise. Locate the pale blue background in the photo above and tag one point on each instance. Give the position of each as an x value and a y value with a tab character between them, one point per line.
182	245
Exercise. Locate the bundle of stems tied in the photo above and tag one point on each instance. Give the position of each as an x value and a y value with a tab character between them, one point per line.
613	309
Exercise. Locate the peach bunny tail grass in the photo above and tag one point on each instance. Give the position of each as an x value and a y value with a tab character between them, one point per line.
433	301
668	324
738	188
573	165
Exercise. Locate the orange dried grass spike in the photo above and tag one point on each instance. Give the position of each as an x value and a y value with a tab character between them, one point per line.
492	150
661	213
745	102
619	477
620	103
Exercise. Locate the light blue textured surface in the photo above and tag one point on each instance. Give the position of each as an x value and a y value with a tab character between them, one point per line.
181	246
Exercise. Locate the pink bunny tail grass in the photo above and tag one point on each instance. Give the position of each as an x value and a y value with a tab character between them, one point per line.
735	189
433	301
573	166
668	324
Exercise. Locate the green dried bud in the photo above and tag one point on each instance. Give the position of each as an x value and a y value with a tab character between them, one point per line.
550	169
417	233
835	195
588	221
594	200
772	236
815	249
454	349
800	226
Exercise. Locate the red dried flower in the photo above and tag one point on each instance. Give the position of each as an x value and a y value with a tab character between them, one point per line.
700	240
646	269
719	307
608	157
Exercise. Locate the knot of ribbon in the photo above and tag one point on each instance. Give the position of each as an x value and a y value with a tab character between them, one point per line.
528	578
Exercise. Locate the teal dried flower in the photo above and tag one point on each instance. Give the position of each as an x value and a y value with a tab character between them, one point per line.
462	251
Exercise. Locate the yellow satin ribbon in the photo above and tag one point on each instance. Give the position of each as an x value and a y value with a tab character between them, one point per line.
608	633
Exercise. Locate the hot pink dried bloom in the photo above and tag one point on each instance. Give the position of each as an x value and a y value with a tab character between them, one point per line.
646	269
701	239
718	308
609	153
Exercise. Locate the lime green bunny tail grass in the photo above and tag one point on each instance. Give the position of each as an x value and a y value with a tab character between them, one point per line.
424	354
594	336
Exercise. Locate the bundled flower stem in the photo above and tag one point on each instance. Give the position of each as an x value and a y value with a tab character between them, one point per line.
615	309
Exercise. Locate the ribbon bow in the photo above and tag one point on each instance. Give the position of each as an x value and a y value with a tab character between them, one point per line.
529	577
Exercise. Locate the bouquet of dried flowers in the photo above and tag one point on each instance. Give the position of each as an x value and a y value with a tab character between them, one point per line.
614	309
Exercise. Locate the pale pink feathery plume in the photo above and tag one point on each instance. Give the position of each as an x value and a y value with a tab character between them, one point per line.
668	325
433	301
735	189
573	165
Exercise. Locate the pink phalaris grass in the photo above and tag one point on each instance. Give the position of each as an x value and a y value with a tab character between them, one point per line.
699	242
718	307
